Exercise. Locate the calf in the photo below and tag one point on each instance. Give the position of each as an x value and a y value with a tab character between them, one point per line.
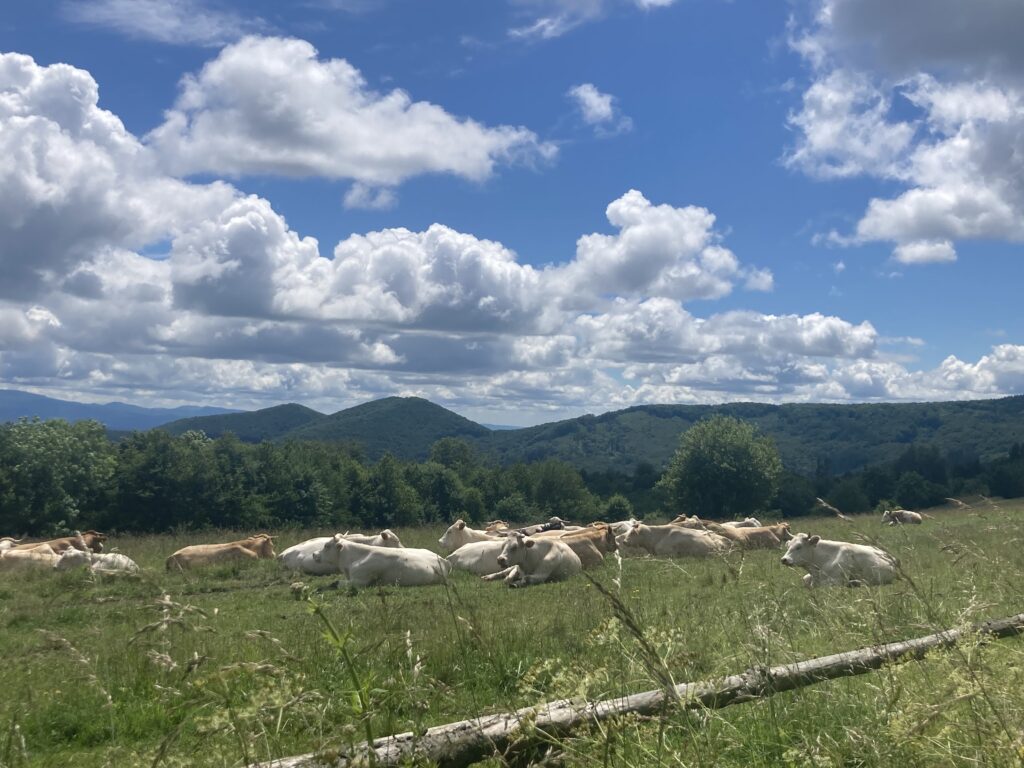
529	561
901	516
366	566
257	547
673	541
300	556
839	563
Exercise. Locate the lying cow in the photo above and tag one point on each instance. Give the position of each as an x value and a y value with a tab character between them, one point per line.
366	566
527	561
839	563
91	540
673	541
901	516
479	557
14	559
113	562
763	537
7	542
459	534
257	547
300	556
747	522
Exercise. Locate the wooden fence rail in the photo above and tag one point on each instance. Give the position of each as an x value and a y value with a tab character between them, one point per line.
463	743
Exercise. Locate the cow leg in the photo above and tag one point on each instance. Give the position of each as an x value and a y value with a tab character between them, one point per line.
500	574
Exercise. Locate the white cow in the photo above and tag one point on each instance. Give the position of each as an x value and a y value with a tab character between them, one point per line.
366	566
459	534
479	557
839	563
7	542
300	556
899	516
674	541
112	562
527	561
747	522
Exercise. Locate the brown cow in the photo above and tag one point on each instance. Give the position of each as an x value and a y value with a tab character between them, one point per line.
260	546
89	540
764	537
601	534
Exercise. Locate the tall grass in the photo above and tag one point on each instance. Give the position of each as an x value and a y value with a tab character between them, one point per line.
232	664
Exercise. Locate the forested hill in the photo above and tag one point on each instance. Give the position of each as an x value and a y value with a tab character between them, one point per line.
251	426
844	437
403	426
847	437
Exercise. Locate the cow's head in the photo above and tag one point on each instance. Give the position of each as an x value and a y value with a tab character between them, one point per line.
389	539
514	549
263	545
452	539
782	531
800	550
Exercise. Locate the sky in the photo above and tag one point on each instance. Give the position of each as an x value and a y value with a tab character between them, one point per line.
522	210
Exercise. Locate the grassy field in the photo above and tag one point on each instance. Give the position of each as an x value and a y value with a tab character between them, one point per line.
232	664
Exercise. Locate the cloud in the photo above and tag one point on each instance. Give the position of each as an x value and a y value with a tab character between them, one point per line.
240	309
554	18
958	72
176	22
271	106
599	110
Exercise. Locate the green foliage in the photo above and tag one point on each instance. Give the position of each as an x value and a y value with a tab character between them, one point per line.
848	496
722	469
795	496
618	508
252	427
53	475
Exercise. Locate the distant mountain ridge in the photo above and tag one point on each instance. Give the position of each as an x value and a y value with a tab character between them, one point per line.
836	438
15	404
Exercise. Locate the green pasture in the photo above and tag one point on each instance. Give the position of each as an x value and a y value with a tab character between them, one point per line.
232	664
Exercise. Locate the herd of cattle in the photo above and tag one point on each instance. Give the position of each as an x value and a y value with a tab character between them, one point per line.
534	554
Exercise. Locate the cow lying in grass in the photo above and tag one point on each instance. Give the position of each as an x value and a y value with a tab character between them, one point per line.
91	540
839	563
366	566
113	562
300	556
257	547
525	561
674	541
901	517
14	559
460	534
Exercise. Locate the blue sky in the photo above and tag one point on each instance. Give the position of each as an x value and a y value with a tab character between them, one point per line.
522	209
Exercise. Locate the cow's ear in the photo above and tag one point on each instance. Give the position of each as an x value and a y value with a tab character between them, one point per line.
529	542
385	535
460	525
814	540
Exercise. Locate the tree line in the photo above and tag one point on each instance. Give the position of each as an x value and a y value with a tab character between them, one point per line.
56	476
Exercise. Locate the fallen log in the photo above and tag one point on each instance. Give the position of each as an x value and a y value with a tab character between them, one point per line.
469	741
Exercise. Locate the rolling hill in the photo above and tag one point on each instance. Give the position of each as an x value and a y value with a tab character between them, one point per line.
403	426
15	404
843	437
847	437
250	426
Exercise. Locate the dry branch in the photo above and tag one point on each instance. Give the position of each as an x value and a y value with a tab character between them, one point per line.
469	741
